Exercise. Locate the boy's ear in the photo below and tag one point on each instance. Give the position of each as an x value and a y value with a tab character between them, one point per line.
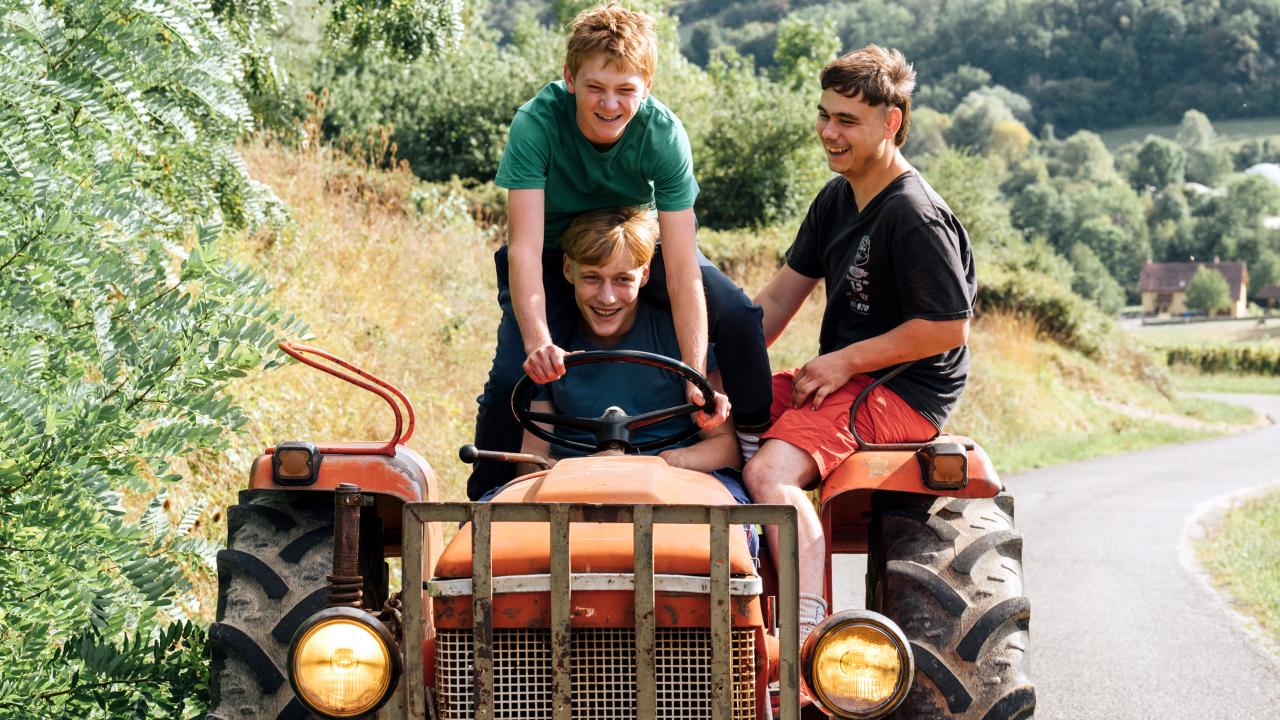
644	276
568	78
568	270
893	121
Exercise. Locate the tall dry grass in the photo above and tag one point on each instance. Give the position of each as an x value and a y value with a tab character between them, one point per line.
389	274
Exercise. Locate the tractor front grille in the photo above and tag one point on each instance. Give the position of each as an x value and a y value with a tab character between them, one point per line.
603	665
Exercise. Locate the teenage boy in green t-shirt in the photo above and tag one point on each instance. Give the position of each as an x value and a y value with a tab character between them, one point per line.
597	140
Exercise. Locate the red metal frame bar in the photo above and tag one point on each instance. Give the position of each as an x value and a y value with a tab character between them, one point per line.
375	385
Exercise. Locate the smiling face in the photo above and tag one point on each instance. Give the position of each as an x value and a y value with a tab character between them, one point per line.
855	135
606	296
606	98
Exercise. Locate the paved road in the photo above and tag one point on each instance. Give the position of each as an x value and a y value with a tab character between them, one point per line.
1122	626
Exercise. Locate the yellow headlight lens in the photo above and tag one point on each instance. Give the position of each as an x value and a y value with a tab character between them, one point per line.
342	667
857	668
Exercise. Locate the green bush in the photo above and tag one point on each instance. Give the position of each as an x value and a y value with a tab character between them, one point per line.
1208	291
448	117
1060	313
123	322
758	160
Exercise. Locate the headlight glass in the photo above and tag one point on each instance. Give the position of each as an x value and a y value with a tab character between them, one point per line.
857	664
857	668
342	667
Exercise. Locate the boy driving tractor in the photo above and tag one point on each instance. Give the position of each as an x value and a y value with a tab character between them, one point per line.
607	256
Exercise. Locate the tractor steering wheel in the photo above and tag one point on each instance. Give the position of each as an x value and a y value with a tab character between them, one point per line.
613	428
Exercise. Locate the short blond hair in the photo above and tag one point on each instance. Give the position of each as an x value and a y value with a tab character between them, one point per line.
876	75
626	38
597	237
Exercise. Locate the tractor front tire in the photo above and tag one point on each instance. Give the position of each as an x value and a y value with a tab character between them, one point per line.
949	573
272	577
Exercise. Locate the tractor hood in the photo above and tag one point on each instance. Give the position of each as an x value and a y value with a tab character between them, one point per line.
524	548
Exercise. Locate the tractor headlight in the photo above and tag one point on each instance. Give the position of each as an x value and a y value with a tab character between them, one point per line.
343	663
857	664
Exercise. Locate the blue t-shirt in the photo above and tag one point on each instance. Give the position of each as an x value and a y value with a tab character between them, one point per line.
589	390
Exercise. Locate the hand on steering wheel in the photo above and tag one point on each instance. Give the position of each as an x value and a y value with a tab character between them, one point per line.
613	428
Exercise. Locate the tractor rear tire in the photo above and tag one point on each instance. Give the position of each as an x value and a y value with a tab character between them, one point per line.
949	573
271	578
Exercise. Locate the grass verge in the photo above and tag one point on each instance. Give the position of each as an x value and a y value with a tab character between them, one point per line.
1247	331
1108	436
1242	554
1188	381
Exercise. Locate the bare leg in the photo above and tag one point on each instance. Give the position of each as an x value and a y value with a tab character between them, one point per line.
777	475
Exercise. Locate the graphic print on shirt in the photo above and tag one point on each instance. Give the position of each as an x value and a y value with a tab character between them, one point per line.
859	279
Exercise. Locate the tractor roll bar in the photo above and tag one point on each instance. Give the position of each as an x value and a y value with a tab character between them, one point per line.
376	385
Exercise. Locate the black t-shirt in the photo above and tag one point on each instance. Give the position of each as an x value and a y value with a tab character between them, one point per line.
904	256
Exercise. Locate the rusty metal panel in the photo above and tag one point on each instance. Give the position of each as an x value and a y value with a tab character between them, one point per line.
646	682
482	608
561	595
721	706
662	583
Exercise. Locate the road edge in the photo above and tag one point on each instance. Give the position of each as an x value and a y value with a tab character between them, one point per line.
1203	518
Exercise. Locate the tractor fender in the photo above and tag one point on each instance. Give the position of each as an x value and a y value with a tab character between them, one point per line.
846	493
393	480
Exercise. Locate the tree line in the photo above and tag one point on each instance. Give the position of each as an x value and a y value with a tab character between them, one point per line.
1083	63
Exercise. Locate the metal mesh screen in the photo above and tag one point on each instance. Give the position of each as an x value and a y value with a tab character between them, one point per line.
603	662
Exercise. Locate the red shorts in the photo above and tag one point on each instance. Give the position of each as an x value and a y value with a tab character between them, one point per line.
824	434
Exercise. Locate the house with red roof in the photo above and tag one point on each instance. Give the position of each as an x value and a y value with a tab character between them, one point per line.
1164	287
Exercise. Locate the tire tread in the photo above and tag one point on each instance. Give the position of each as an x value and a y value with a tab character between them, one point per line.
958	596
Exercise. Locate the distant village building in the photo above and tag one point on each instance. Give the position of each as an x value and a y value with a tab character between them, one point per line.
1269	296
1164	287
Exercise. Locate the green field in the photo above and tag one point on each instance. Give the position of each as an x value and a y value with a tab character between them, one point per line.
1223	332
1229	131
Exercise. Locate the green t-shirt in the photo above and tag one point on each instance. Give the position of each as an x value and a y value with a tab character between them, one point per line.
650	165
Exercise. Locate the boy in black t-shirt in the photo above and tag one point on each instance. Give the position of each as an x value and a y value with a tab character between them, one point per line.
900	287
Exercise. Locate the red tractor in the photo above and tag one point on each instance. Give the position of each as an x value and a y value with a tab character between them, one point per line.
609	586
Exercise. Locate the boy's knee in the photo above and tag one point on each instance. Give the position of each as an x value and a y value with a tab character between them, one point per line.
779	464
762	474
